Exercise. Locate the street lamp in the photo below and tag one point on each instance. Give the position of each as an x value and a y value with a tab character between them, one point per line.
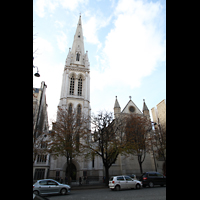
36	74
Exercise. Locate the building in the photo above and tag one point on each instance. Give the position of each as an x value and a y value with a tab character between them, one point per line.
159	114
75	94
40	129
159	119
129	164
75	90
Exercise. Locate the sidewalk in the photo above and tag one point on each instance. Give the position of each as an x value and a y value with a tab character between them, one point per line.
91	185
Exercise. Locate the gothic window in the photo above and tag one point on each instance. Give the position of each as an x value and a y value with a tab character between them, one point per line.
70	108
79	109
71	92
78	115
77	57
80	86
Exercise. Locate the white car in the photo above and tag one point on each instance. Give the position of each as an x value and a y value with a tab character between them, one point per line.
123	182
50	186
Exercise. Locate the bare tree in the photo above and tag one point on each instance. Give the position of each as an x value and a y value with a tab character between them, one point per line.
66	135
108	139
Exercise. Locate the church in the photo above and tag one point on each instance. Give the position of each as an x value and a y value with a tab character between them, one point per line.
75	94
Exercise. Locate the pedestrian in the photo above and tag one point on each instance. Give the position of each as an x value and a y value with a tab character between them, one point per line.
80	181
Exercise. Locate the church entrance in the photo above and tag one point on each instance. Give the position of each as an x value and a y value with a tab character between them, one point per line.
73	172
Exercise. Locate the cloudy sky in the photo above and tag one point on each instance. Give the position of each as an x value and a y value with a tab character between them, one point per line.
126	43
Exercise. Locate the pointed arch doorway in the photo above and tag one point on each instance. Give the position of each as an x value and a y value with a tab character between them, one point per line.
73	172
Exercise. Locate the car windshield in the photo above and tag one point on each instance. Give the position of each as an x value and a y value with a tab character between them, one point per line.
111	178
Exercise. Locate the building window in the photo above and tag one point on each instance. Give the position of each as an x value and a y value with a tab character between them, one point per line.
77	57
41	158
93	161
71	92
70	108
80	86
79	109
39	174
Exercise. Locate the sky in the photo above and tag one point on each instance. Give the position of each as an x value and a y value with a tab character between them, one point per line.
126	44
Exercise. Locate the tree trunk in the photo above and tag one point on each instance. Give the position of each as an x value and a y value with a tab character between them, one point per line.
140	163
68	171
107	175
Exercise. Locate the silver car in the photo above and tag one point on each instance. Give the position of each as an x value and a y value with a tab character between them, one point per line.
50	186
123	182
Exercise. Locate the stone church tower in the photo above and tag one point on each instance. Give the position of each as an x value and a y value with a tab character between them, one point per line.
75	95
75	89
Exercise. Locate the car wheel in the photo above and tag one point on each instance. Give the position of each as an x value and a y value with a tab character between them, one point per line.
63	191
36	192
151	184
117	187
138	186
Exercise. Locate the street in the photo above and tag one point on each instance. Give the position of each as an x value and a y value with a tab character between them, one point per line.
156	193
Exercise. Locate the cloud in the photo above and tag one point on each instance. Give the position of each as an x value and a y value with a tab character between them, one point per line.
90	31
42	45
62	41
43	5
135	45
92	26
59	24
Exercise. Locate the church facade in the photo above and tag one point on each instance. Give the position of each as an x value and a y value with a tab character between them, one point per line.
75	94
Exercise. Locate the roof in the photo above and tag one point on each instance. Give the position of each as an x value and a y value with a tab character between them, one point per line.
132	103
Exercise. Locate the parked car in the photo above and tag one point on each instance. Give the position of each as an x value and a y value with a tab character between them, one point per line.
152	178
50	186
123	182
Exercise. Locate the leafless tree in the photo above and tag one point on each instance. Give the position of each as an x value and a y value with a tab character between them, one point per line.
107	139
64	140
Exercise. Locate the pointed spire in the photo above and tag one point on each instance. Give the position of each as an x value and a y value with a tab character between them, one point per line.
78	44
116	103
145	106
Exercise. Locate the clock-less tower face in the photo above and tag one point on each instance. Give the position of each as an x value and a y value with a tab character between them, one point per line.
131	109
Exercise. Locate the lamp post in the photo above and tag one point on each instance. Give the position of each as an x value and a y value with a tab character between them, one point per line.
36	74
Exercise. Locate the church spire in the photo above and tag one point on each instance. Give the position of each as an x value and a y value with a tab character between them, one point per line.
117	108
78	44
145	108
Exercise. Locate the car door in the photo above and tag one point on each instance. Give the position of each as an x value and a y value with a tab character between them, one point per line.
152	177
160	179
53	187
121	181
43	187
129	182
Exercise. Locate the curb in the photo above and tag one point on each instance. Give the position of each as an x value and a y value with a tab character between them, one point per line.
88	187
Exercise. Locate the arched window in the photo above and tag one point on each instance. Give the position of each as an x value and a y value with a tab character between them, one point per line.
77	57
70	108
79	115
80	86
71	91
79	109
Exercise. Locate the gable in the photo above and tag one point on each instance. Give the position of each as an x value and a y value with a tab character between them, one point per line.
131	108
